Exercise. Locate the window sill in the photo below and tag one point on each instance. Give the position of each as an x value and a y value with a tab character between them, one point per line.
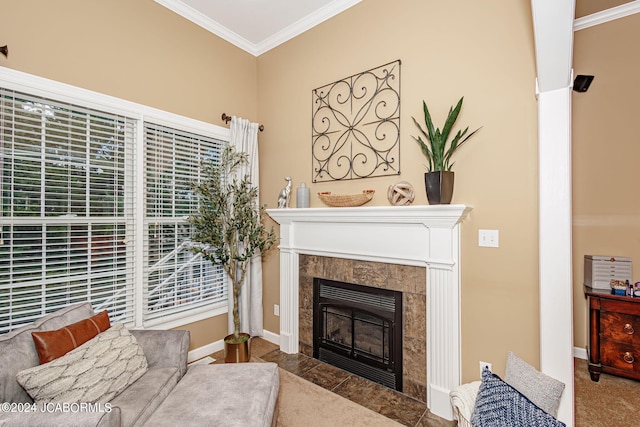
178	320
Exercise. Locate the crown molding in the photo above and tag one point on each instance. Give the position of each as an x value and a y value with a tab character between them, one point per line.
293	30
304	24
607	15
208	24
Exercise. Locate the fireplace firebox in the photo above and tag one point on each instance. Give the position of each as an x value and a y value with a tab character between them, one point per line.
359	329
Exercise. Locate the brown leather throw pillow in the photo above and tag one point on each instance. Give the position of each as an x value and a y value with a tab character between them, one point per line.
53	344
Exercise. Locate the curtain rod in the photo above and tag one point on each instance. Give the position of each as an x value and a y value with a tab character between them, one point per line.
227	119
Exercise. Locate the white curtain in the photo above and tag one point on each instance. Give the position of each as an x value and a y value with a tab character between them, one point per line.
244	137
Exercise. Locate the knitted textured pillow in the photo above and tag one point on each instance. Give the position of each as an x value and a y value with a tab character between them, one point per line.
500	405
539	388
97	371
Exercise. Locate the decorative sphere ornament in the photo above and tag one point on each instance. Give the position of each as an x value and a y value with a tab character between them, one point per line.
400	194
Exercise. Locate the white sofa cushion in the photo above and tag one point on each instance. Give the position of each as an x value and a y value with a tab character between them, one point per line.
230	395
138	401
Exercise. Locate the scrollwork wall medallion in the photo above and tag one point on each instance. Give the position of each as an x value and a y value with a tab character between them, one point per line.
356	126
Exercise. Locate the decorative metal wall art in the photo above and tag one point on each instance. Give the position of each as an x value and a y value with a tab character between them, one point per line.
356	126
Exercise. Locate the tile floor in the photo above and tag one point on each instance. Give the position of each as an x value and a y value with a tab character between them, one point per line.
390	403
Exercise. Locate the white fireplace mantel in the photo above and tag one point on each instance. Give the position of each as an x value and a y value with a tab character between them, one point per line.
427	236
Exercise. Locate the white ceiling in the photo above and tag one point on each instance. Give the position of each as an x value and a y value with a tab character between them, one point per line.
257	25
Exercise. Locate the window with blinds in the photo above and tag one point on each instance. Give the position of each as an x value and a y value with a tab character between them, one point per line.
93	207
66	209
179	281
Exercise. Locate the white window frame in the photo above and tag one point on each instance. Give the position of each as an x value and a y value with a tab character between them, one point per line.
39	86
171	139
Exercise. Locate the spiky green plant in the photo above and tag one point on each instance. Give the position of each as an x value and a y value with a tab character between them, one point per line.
228	227
435	149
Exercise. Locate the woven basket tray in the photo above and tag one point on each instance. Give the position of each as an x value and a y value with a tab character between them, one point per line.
346	200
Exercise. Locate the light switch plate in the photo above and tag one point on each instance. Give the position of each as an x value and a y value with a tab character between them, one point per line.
488	238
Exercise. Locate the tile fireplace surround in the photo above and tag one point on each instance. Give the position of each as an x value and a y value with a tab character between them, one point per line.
422	236
407	279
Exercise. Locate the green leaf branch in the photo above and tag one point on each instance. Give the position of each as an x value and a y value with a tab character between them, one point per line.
228	225
434	144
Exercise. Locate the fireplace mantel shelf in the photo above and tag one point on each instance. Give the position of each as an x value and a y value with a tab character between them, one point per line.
437	215
424	235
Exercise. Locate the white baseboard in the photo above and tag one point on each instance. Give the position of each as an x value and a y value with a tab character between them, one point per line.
271	337
203	361
205	350
580	353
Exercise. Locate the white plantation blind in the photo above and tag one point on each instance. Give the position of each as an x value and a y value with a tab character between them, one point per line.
178	280
66	209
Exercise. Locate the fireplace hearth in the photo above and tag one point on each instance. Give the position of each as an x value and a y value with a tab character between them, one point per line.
359	329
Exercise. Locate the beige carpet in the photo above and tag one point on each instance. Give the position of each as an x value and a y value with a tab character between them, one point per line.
612	401
301	402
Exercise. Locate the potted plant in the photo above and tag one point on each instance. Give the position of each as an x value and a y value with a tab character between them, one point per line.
228	231
439	178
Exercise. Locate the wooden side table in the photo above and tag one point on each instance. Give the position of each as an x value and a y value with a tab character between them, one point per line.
614	334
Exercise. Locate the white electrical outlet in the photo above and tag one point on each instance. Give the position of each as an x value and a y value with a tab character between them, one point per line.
482	365
488	238
276	310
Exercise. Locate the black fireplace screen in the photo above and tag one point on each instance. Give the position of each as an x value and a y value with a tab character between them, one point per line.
359	329
365	334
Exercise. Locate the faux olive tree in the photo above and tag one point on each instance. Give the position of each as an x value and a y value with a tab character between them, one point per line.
228	227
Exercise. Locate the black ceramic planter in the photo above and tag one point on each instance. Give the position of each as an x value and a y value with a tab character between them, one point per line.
439	187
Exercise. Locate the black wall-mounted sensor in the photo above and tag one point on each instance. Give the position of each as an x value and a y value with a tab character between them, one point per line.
581	83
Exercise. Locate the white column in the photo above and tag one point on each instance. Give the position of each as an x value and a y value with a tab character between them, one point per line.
556	281
289	305
289	289
443	320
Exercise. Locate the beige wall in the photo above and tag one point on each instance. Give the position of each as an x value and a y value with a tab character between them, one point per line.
135	50
482	50
606	207
139	51
587	7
